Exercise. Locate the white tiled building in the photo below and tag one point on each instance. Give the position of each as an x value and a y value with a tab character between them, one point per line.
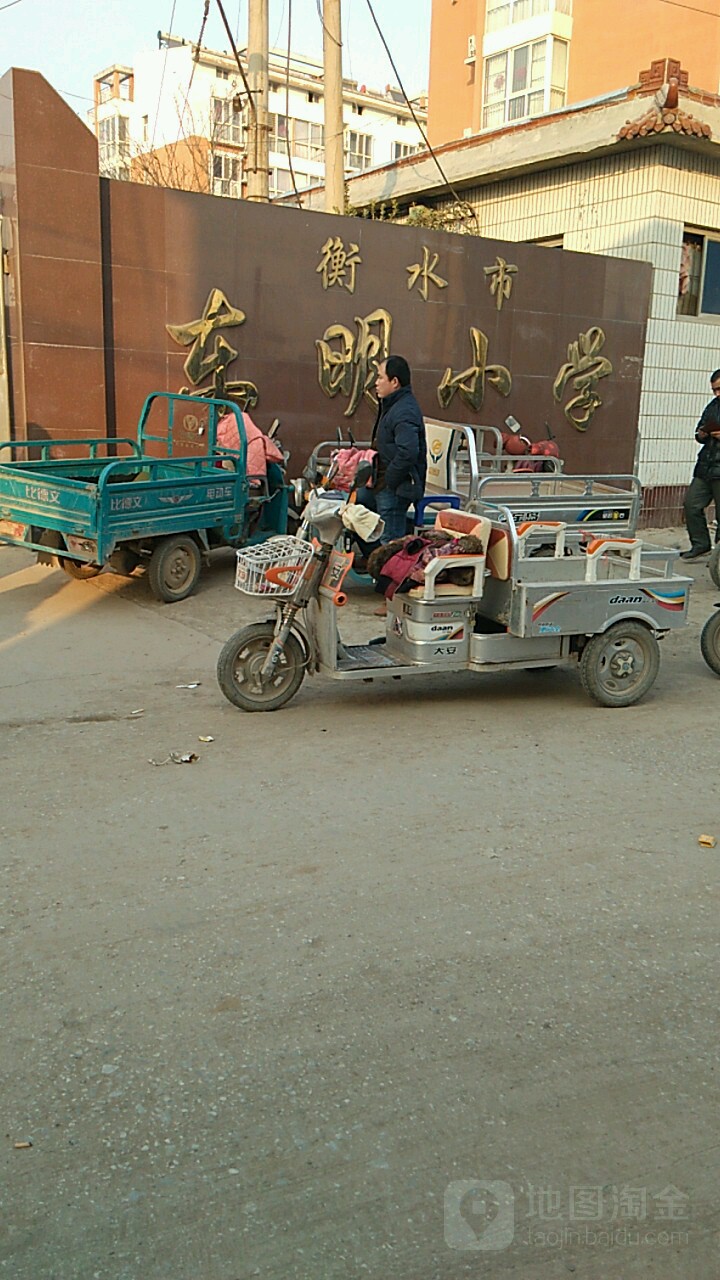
567	181
168	96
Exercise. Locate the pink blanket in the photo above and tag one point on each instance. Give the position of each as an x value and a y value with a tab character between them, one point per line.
260	448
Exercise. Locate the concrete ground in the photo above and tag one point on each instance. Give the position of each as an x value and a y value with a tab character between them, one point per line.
408	981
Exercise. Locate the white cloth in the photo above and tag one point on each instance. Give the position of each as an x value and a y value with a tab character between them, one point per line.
361	520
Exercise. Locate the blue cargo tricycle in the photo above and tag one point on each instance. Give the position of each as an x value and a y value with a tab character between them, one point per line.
165	499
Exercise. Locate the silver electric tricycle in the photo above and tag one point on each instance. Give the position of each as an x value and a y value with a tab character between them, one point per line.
538	594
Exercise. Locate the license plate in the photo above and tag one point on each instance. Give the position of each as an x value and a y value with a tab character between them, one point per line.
11	529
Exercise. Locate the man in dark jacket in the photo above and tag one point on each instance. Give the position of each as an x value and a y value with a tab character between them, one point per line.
399	438
705	485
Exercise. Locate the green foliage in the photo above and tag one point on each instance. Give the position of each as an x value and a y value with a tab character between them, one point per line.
455	217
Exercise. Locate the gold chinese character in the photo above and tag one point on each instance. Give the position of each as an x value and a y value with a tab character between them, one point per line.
204	360
426	273
351	366
336	262
585	366
471	382
501	280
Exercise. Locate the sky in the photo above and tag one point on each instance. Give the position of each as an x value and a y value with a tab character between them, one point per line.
69	41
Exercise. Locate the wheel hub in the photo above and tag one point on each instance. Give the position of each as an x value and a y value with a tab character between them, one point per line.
179	568
250	663
622	664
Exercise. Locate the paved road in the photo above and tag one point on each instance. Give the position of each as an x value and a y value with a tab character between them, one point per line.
282	1012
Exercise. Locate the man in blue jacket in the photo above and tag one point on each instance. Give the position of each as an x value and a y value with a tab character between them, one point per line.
399	438
705	486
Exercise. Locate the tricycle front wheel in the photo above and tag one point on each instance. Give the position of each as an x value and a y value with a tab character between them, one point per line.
79	569
240	663
710	642
174	568
619	666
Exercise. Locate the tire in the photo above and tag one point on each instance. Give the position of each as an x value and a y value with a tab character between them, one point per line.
710	642
714	564
78	569
174	568
619	666
240	660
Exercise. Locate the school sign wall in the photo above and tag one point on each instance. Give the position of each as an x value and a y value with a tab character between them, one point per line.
114	289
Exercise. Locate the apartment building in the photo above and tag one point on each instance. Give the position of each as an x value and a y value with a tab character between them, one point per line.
635	175
183	122
495	62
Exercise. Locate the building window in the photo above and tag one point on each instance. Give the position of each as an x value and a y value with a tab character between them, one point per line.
699	280
524	82
114	148
226	174
227	122
504	13
221	74
358	150
280	182
278	139
308	140
403	149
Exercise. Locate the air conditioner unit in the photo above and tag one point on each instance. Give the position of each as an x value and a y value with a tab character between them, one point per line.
471	47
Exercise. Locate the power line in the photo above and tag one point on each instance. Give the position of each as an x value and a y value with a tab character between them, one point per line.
322	24
690	8
8	6
287	107
463	204
346	41
162	78
236	55
83	96
196	59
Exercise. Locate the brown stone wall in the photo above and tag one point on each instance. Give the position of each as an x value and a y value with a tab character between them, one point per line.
165	251
49	191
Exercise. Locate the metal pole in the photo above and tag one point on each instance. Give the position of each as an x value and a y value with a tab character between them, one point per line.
257	155
332	57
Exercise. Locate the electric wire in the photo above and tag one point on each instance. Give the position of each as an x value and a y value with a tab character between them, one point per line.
287	107
322	24
8	6
162	78
462	204
236	55
690	8
196	59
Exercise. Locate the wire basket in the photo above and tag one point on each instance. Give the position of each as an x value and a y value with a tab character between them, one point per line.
273	568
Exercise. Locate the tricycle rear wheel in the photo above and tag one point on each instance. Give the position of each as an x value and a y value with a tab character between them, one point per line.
174	568
79	569
240	661
710	642
714	564
619	666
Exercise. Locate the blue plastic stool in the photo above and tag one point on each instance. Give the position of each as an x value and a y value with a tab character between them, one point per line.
446	500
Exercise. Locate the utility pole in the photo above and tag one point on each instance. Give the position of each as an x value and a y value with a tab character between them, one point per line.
334	150
257	154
